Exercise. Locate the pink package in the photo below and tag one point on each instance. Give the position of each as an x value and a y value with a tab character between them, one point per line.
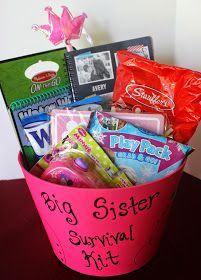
151	122
72	172
63	121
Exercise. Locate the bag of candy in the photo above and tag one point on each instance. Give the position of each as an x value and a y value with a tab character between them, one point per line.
143	85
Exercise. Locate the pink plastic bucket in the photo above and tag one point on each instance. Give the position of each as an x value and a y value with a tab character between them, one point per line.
104	232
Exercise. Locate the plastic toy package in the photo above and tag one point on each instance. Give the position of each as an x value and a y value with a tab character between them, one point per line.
75	172
143	85
64	120
144	156
79	161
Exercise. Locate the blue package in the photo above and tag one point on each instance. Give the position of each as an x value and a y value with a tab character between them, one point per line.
144	156
37	130
88	104
91	100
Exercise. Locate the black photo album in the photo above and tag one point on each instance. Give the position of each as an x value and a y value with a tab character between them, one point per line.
92	71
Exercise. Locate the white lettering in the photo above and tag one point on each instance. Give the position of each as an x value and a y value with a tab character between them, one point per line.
155	98
99	87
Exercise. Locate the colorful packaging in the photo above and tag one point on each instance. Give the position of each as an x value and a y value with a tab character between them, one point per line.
152	122
37	129
73	172
141	154
147	86
78	143
63	121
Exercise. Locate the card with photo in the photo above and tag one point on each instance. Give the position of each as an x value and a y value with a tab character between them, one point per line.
94	67
92	71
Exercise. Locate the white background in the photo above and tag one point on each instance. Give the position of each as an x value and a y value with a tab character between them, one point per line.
173	25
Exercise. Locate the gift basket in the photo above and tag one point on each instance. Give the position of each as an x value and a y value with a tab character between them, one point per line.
104	155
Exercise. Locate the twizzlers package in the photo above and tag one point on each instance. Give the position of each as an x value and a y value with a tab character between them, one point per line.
143	85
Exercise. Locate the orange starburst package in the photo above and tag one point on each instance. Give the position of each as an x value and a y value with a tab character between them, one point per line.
143	85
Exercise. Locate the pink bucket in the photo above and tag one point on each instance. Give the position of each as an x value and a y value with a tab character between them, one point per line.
104	232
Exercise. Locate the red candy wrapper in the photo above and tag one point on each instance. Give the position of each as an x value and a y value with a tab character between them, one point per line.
143	85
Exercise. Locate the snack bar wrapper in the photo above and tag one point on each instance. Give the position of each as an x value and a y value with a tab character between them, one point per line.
142	155
143	85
